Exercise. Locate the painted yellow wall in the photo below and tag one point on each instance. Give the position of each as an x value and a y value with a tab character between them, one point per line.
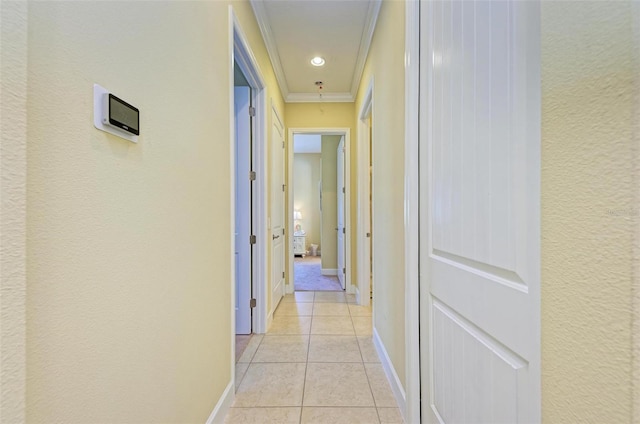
320	115
331	115
13	169
307	168
385	65
589	210
129	269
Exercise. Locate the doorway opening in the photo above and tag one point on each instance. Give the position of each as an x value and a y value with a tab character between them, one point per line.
318	210
248	193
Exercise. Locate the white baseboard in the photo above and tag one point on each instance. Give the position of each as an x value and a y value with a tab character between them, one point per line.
392	376
357	295
224	403
329	271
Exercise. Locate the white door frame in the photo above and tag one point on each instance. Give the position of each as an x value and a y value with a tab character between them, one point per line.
240	52
346	132
341	223
411	213
364	216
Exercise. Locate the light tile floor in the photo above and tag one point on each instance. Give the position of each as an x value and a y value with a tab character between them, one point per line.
317	364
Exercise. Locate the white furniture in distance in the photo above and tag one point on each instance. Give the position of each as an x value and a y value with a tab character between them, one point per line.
299	243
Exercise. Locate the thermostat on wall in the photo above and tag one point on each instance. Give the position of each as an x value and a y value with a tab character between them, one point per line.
114	115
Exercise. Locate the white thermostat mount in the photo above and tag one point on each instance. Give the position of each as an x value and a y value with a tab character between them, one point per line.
115	116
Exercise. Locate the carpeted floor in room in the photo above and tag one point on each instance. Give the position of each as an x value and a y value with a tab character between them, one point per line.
308	276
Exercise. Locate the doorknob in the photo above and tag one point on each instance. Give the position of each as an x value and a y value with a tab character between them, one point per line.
368	234
275	237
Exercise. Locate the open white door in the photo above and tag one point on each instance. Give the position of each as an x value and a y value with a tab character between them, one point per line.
480	211
277	212
340	211
242	99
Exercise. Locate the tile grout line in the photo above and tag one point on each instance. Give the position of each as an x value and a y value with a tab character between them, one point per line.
306	365
372	395
375	404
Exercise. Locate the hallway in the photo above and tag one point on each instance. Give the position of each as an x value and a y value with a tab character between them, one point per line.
308	276
317	364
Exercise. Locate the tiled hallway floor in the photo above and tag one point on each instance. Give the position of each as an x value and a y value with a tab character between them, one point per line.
317	364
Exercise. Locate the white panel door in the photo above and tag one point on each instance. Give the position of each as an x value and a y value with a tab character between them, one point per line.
480	211
341	228
277	212
242	98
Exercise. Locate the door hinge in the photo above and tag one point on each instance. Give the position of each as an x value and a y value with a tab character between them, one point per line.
252	239
343	189
252	303
252	176
283	144
283	231
252	111
344	270
282	274
344	231
282	187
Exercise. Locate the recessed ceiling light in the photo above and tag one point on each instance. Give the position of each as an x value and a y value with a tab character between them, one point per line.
317	61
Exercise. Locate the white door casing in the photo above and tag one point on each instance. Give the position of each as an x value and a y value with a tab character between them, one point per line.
480	211
363	294
346	132
277	211
340	212
242	100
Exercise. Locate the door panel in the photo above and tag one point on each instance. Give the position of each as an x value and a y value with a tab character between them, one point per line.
242	99
480	190
277	212
340	212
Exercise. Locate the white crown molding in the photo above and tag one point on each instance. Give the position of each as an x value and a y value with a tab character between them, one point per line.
315	98
260	13
365	43
262	18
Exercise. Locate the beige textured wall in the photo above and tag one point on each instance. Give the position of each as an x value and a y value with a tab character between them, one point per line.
307	169
385	65
330	201
636	201
129	280
589	211
13	142
331	115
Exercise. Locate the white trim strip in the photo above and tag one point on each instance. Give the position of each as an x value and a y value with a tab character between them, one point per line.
221	409
329	271
260	13
315	98
365	44
392	376
412	212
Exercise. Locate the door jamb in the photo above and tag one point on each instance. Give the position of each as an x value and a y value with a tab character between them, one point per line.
346	132
364	196
411	213
240	52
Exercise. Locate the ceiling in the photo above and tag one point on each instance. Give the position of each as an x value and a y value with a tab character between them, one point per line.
297	30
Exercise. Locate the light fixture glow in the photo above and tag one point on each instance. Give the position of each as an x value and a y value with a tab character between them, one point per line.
317	61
